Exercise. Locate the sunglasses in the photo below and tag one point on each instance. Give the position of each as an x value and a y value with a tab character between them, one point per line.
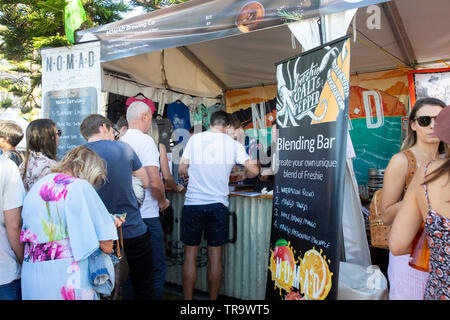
424	121
116	134
59	132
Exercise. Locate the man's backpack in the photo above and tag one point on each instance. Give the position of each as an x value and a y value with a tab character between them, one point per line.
379	232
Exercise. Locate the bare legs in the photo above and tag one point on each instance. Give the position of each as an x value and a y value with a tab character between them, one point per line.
190	271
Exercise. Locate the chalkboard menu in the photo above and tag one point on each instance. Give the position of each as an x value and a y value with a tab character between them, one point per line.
68	108
312	119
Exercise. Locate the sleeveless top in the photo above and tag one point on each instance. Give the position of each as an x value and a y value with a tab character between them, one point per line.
437	228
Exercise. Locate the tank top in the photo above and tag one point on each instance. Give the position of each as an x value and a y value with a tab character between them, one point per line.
437	228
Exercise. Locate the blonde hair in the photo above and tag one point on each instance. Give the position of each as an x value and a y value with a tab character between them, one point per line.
84	163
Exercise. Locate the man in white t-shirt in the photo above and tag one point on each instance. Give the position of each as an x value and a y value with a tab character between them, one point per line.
12	193
207	161
139	117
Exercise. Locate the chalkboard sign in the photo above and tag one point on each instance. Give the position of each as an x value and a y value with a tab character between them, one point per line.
68	108
312	117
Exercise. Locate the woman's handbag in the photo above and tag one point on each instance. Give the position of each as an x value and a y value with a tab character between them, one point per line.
121	268
379	232
419	257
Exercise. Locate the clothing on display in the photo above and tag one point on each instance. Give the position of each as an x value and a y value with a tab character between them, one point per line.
179	114
147	101
165	129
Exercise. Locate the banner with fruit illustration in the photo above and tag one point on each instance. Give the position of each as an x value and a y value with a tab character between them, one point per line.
312	117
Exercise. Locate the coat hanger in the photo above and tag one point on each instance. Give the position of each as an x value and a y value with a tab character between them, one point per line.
140	94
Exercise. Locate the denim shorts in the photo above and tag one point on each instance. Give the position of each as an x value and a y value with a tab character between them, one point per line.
211	218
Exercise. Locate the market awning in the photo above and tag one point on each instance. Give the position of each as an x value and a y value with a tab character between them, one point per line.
183	48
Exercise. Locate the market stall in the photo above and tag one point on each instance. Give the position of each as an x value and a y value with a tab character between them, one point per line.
212	63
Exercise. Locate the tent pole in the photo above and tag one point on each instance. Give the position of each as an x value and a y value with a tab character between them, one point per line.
399	31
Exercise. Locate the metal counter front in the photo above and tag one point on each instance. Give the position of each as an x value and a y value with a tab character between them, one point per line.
245	258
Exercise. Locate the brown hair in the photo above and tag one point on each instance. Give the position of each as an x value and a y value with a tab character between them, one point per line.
91	125
82	162
411	135
40	137
12	131
235	122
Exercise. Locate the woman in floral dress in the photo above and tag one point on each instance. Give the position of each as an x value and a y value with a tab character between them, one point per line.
64	222
42	139
428	200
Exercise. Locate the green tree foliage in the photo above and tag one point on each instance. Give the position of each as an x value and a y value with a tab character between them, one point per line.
150	5
29	25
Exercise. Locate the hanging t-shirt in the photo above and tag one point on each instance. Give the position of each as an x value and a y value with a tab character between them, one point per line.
200	115
147	101
165	130
179	114
211	157
209	111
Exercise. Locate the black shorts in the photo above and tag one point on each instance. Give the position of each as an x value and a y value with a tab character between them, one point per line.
213	218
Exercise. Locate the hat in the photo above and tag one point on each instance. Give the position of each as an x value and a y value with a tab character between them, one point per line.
442	126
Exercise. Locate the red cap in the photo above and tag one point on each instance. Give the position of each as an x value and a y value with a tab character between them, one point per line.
148	102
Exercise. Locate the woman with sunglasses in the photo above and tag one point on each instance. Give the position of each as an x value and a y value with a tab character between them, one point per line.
428	201
42	139
407	283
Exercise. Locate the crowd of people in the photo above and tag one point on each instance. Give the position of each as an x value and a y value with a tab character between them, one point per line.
65	212
60	217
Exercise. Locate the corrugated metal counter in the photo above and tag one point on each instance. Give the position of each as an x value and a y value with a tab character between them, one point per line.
245	260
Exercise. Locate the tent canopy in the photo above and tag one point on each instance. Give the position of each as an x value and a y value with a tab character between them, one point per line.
410	32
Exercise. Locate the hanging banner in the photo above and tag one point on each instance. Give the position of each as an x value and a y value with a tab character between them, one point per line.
202	20
312	117
378	107
71	89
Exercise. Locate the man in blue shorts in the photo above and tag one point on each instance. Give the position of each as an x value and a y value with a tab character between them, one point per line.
207	161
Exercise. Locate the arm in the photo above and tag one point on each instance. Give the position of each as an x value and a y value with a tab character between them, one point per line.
393	184
409	218
164	163
157	187
142	175
183	167
251	168
13	224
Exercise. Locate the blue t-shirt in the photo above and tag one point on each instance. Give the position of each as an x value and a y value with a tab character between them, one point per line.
117	192
179	114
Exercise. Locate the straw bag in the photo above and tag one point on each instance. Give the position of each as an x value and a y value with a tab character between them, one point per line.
379	232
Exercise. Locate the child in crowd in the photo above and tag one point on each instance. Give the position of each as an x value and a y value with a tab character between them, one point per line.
10	136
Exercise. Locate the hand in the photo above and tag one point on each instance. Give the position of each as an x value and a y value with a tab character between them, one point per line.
179	188
106	246
119	221
163	205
